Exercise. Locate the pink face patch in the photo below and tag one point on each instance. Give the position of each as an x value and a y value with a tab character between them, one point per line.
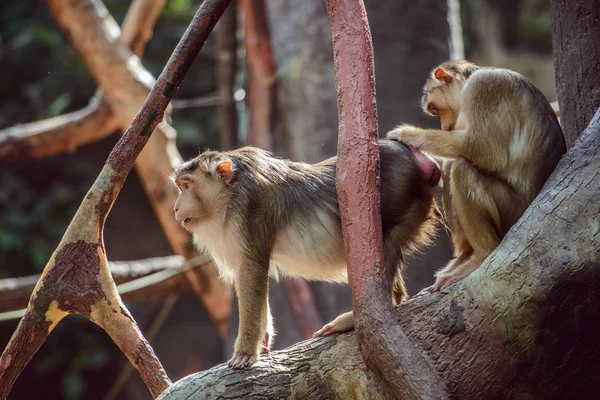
429	167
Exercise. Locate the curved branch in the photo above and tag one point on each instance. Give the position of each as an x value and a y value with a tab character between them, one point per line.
383	344
65	133
15	292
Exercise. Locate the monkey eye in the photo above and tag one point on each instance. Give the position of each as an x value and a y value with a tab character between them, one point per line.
183	184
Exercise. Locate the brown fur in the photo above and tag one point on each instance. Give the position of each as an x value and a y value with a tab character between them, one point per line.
265	216
502	140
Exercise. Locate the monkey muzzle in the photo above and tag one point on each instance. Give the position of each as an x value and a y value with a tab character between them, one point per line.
428	166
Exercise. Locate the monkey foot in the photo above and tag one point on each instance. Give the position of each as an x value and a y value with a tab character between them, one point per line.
326	330
442	282
239	361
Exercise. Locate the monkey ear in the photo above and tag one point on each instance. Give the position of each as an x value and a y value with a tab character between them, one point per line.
443	76
225	170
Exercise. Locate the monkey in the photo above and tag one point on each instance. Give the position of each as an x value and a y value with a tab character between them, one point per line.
259	215
499	142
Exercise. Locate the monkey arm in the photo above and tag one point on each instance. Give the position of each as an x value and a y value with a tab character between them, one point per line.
448	144
252	288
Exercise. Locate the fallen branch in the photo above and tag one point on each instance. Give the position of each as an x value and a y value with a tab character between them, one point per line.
77	279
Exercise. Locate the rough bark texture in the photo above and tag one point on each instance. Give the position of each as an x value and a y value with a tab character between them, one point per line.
522	326
382	342
77	278
575	38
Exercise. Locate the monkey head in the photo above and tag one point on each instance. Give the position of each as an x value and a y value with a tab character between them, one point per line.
202	185
442	91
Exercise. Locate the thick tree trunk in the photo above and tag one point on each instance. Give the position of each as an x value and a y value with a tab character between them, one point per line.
522	326
575	39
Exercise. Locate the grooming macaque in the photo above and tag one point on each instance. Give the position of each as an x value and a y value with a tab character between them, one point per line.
500	140
259	215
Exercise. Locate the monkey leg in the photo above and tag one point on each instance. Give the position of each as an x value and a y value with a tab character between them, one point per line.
461	246
393	270
477	222
252	288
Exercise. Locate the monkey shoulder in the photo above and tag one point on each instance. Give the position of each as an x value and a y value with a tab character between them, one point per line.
495	87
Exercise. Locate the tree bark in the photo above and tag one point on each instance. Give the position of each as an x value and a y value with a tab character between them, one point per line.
575	38
382	343
522	326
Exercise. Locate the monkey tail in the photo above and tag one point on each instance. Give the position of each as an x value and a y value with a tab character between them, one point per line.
399	293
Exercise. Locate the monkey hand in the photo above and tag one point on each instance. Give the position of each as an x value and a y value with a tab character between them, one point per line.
241	361
342	323
408	134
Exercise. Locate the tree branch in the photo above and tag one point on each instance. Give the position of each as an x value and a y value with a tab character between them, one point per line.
226	77
262	96
522	326
575	33
15	292
96	121
382	342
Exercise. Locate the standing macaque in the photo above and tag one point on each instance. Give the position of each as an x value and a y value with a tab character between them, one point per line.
259	215
501	141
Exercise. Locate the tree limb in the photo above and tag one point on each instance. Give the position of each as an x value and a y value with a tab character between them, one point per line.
262	96
383	344
96	121
15	292
523	325
226	77
575	33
